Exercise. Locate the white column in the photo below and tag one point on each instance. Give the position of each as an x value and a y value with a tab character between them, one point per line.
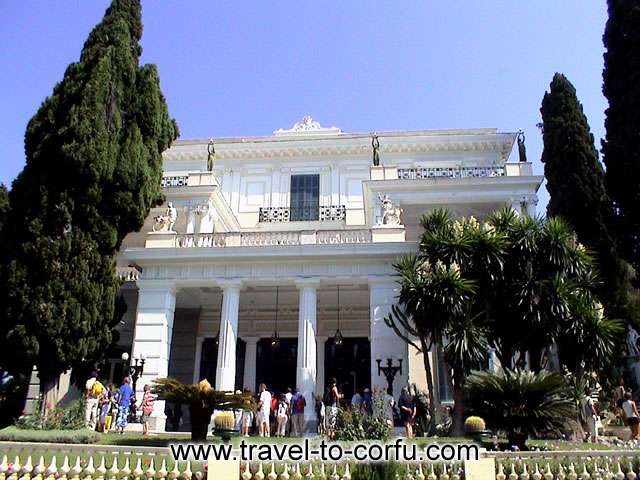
152	338
250	358
307	360
226	366
320	343
384	342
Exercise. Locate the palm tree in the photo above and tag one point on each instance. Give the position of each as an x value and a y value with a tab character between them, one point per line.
522	403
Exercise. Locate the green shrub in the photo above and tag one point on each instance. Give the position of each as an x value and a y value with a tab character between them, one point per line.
474	424
70	418
522	403
352	425
13	434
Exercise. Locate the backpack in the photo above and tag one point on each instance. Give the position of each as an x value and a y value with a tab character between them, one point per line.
299	403
97	389
274	403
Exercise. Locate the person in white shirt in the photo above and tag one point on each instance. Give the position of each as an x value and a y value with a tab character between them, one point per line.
591	418
288	396
264	408
91	405
631	416
281	416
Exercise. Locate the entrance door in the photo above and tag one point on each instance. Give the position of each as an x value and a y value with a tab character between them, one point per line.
349	363
209	361
276	368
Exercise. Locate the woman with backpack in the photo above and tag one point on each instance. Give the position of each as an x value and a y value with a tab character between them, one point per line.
281	415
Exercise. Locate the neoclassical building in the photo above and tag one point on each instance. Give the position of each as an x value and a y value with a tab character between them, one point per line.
272	258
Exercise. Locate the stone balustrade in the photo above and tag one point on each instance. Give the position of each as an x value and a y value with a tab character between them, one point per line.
508	169
261	239
552	465
128	274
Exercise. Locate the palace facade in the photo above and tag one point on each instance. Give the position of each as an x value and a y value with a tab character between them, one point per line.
272	259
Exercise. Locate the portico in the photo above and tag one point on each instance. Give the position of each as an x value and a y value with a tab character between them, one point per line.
231	323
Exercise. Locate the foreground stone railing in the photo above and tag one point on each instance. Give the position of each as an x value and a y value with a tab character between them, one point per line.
94	464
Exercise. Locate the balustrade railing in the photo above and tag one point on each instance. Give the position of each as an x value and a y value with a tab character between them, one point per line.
201	240
128	274
303	213
124	465
174	181
330	237
268	239
449	172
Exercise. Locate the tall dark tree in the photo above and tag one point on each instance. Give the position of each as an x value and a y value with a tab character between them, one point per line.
621	147
93	170
575	181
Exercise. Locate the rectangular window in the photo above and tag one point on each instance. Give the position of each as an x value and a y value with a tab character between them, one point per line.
305	198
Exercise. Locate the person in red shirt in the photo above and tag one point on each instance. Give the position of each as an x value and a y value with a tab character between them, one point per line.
147	407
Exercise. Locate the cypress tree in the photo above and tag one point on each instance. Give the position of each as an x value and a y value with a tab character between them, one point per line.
93	171
621	152
575	181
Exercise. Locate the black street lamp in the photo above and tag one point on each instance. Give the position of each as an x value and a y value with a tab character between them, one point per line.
134	371
389	371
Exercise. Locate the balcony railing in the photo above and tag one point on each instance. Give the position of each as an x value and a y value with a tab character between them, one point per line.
449	172
301	214
270	239
174	181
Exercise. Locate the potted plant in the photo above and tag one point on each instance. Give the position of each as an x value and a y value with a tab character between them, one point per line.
202	400
225	426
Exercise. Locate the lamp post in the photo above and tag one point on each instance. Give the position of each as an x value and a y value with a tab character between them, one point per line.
389	371
134	371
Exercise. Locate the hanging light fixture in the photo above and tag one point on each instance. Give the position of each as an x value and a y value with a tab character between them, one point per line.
275	339
337	337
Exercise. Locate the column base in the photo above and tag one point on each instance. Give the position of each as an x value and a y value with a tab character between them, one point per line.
158	424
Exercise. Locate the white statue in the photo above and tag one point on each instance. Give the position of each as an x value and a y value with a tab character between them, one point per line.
633	342
165	223
390	214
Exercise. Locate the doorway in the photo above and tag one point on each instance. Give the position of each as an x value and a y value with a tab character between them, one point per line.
209	361
349	363
276	367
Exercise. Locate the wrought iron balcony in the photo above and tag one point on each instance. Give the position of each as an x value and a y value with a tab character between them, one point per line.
449	172
302	214
174	181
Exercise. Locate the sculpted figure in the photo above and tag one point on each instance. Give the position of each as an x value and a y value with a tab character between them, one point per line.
165	223
390	212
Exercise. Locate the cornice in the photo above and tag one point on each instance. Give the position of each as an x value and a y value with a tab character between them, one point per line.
347	145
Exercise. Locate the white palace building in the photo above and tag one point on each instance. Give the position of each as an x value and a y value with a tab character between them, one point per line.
295	235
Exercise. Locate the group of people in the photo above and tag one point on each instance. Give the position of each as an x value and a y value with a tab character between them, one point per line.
626	407
104	404
282	414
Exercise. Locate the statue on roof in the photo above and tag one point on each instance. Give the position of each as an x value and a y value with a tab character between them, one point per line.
522	151
211	154
375	143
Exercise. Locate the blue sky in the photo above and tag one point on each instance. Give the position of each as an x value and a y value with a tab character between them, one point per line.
247	68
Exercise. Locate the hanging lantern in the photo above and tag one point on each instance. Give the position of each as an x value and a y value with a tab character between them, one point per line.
275	338
337	337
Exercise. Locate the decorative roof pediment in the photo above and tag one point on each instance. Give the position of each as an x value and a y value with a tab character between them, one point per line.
308	126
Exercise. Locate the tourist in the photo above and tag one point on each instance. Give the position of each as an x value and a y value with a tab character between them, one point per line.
104	405
356	402
619	392
389	405
246	422
273	421
320	413
289	396
147	407
631	416
123	399
298	404
407	406
367	402
591	418
93	391
331	401
281	415
264	409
